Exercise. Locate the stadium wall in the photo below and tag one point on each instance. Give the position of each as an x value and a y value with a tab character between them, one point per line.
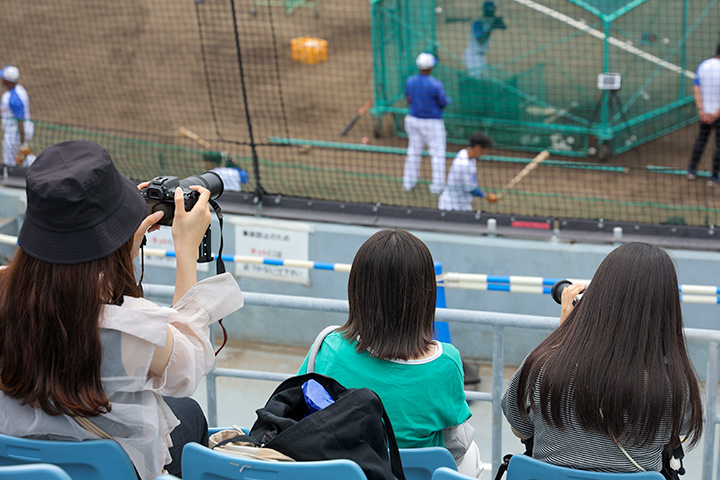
459	253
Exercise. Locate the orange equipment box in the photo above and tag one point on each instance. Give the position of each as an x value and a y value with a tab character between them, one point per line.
308	50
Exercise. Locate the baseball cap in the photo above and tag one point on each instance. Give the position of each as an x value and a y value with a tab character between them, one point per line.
425	61
10	73
79	207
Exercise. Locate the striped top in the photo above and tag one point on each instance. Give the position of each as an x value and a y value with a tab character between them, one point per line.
574	447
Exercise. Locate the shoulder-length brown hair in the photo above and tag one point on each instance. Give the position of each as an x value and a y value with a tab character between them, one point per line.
619	359
50	350
391	292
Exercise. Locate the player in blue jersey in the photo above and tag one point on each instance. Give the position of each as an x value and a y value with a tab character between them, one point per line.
424	124
479	42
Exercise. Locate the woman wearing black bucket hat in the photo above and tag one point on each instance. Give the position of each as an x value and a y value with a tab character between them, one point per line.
78	341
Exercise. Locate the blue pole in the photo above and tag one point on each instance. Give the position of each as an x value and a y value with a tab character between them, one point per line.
442	330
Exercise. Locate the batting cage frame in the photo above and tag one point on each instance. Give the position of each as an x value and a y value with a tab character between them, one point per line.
520	102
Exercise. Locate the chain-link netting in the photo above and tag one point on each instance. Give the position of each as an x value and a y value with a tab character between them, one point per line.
275	84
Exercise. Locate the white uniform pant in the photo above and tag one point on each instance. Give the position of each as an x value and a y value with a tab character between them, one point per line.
423	132
475	62
11	143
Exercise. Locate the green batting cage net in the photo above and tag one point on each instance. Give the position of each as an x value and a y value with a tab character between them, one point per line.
569	76
307	98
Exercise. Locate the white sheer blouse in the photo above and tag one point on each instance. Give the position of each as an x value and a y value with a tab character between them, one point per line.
140	420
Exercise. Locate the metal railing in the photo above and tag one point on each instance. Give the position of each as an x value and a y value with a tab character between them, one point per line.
499	322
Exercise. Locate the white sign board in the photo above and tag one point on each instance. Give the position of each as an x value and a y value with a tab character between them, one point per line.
162	239
258	237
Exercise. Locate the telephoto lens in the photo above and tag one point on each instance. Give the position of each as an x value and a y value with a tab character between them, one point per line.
209	180
559	287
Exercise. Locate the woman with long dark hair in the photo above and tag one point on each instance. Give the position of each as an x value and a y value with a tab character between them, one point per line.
612	386
78	343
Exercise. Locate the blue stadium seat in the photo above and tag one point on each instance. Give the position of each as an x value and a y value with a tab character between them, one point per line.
38	471
167	476
420	463
444	473
212	430
523	467
201	463
89	460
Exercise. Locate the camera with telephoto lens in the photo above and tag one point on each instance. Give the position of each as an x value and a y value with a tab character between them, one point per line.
160	196
160	193
557	290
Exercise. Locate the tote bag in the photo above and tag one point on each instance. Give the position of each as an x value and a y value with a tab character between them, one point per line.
354	427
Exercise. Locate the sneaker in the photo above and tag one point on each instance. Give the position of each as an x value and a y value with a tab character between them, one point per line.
712	182
691	175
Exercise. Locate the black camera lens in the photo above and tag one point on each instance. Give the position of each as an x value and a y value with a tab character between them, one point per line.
557	289
209	180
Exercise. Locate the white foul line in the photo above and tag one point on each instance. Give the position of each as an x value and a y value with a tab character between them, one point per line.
600	35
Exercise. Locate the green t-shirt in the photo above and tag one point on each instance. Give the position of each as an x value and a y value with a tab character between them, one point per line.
421	397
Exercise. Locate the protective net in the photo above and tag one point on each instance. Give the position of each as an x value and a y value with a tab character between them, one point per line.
275	85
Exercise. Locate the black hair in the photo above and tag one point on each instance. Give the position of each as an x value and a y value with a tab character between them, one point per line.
621	353
481	139
391	292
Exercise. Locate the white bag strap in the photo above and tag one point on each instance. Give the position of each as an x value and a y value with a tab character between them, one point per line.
627	455
312	356
632	460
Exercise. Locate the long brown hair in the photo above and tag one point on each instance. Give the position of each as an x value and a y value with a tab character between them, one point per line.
391	292
619	359
50	351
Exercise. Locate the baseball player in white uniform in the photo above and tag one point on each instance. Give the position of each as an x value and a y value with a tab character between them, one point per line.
18	128
706	89
462	183
424	124
224	165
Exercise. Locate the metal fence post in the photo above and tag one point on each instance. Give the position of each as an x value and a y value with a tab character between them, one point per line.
211	387
710	409
498	352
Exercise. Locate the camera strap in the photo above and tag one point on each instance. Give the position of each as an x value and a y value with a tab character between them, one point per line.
220	265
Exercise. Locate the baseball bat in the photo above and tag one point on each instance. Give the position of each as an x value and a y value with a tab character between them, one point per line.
357	116
195	137
527	169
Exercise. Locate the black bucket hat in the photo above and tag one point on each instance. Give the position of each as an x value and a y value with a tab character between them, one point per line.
80	208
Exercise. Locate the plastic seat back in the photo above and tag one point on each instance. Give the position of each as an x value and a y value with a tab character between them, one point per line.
202	463
444	473
420	463
523	467
38	471
88	460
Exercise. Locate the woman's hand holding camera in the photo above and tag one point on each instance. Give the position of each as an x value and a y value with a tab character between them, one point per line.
568	295
148	225
189	227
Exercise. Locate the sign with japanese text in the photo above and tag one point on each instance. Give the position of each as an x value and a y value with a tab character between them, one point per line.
274	239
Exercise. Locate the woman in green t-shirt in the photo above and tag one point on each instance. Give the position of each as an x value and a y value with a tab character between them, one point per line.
387	346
